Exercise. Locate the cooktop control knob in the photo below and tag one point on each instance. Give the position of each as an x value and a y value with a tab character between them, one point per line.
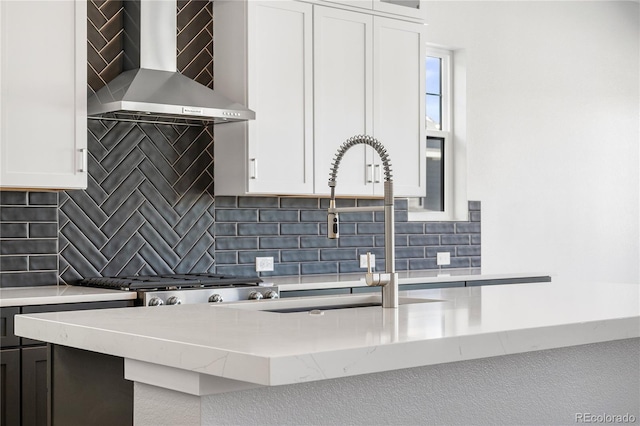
271	294
155	301
255	295
173	300
215	298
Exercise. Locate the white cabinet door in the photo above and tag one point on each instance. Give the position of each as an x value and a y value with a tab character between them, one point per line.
399	110
43	136
264	59
343	97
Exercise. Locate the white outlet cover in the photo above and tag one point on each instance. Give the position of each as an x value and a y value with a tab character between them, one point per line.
363	261
264	264
443	258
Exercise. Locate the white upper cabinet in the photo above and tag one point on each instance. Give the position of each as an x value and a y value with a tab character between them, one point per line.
316	76
43	84
343	97
263	59
399	105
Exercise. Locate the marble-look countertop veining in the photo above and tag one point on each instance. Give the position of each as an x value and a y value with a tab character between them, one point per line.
55	294
315	282
238	343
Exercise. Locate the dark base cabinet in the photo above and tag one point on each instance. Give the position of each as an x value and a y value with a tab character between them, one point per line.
24	373
10	381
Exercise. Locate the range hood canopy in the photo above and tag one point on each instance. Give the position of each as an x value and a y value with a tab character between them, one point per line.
154	91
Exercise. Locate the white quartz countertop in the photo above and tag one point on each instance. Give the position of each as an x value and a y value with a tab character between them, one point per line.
53	294
315	282
240	344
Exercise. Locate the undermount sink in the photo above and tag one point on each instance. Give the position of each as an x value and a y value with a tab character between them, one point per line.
318	303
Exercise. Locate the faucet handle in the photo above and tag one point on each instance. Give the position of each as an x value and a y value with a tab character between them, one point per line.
369	269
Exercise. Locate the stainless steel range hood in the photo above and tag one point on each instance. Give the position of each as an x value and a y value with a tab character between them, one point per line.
154	91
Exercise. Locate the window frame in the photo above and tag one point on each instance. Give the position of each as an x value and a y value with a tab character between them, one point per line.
446	133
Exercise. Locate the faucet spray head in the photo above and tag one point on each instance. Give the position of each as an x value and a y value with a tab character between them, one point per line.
333	221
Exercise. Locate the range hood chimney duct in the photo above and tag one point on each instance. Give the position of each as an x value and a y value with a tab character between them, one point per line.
151	89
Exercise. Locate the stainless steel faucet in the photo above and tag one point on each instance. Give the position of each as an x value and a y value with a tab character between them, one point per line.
389	279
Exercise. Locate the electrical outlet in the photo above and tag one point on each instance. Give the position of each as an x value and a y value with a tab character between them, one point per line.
443	258
264	264
363	261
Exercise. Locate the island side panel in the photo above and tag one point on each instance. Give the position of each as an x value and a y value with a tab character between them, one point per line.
544	387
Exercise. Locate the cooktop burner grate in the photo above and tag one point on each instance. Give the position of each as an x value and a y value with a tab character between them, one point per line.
170	281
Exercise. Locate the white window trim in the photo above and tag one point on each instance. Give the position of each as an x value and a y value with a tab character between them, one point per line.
454	134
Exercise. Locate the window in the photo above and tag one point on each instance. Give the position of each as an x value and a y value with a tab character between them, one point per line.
441	201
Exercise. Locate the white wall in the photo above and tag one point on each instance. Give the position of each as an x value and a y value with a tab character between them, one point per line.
553	128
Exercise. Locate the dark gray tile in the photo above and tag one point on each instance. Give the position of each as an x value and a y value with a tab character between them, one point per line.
9	247
28	279
250	256
400	204
468	228
280	269
43	230
13	198
236	215
409	228
261	202
235	243
468	251
299	203
278	215
474	216
439	228
363	202
29	214
458	262
278	242
409	252
359	241
402	265
424	240
299	255
455	239
433	251
378	252
14	230
400	240
239	270
416	264
43	198
351	266
370	228
318	268
340	202
319	216
475	239
221	229
225	201
14	263
474	205
476	262
317	242
338	254
226	257
245	229
299	229
356	217
43	263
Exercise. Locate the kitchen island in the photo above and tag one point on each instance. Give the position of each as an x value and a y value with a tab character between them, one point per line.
512	354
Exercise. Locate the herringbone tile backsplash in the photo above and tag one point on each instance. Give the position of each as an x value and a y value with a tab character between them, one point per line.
150	207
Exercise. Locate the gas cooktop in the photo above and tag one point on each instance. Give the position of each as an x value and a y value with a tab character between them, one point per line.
169	281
